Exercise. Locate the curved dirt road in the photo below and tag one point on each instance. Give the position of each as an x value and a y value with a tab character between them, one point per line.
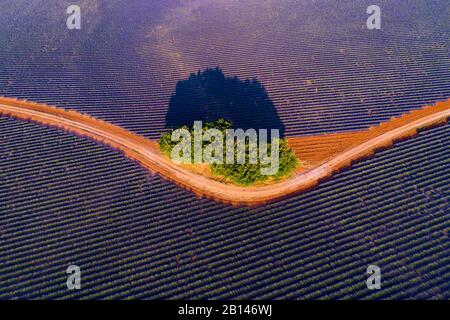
147	153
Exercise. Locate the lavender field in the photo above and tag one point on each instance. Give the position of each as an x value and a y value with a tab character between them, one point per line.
65	199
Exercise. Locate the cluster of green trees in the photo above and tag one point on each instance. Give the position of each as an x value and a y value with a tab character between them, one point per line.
244	174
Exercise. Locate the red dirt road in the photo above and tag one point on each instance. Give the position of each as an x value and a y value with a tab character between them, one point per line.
146	152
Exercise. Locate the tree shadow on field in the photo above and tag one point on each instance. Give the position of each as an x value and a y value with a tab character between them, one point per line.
210	95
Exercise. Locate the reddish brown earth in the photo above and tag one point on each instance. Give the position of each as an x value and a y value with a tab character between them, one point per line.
315	150
322	155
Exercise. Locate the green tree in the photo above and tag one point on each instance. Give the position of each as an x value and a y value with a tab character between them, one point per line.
245	174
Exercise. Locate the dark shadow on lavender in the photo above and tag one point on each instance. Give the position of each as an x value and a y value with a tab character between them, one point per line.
210	95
